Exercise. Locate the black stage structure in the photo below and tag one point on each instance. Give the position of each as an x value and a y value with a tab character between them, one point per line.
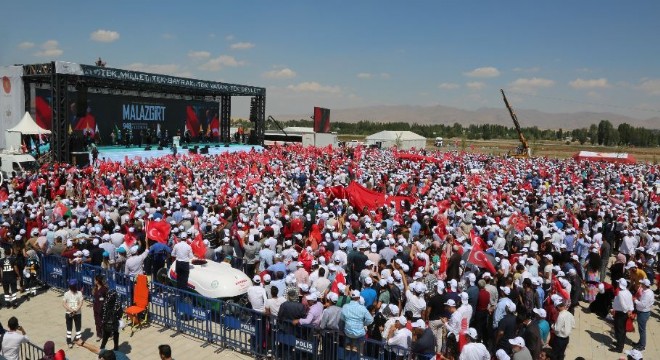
66	77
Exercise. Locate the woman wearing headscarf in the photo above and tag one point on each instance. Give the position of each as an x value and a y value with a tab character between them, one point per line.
112	312
593	275
100	291
50	354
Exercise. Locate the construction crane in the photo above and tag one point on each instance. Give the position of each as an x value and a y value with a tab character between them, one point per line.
522	150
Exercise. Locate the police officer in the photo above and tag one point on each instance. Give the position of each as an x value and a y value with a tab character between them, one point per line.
10	275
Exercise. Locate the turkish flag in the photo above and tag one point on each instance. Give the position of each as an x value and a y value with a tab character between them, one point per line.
158	231
129	239
198	246
478	257
4	196
557	288
477	242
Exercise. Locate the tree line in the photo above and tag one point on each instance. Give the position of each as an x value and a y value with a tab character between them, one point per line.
603	133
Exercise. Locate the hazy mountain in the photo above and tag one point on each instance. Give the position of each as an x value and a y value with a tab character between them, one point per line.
448	115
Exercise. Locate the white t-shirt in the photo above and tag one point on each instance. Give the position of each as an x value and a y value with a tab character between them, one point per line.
274	305
74	301
11	344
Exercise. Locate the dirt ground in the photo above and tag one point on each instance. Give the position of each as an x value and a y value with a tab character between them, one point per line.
551	149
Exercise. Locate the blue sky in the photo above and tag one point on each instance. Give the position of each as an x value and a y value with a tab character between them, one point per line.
554	56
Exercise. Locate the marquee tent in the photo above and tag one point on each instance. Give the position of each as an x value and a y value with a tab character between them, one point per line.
404	140
27	126
622	158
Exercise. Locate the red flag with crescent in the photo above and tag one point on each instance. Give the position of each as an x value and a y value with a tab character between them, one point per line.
198	246
158	231
478	257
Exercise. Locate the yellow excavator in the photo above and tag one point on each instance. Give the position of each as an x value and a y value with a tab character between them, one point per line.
522	151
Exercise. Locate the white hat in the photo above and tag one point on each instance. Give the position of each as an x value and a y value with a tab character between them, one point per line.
256	279
622	283
312	297
355	294
464	297
402	320
419	324
368	281
267	278
333	297
634	354
505	290
517	341
511	307
645	282
472	333
502	355
540	312
450	302
487	275
630	265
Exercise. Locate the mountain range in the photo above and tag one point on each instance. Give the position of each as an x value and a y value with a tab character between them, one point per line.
439	114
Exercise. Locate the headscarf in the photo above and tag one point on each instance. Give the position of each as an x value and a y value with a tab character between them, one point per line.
620	259
49	350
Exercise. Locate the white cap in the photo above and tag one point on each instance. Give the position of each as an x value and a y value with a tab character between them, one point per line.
517	341
506	290
402	320
622	283
634	354
419	324
472	332
630	265
355	294
256	279
511	307
450	302
645	282
368	281
312	297
502	355
540	312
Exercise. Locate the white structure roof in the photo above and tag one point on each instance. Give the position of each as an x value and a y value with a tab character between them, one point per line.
395	135
298	130
27	126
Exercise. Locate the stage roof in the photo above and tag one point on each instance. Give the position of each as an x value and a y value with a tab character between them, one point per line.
97	76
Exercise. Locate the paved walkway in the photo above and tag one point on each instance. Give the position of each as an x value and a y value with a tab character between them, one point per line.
43	319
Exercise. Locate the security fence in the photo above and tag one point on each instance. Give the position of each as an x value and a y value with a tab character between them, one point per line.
225	323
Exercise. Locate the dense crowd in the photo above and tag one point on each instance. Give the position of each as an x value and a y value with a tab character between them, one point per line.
462	256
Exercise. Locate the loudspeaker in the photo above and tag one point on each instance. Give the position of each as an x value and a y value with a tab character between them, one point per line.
193	150
160	148
81	101
204	150
148	148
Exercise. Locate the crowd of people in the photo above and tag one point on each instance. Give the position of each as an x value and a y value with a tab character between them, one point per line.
459	256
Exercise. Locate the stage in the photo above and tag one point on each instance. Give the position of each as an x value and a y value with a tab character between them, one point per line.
119	153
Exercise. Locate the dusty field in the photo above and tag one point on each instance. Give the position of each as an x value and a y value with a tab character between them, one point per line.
552	149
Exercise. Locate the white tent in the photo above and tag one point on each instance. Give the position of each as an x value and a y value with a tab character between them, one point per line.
404	140
27	126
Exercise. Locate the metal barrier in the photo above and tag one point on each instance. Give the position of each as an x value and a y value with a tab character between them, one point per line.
55	271
30	351
224	322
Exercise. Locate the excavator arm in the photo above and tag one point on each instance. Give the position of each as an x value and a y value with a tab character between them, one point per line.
521	136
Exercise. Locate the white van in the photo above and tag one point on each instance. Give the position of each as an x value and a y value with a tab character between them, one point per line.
16	164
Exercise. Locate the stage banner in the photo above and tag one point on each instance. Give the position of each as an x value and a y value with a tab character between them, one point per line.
12	99
62	67
115	119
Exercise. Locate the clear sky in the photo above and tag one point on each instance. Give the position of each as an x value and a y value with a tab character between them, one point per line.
554	56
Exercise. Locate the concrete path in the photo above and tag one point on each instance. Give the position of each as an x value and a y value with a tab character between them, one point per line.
43	319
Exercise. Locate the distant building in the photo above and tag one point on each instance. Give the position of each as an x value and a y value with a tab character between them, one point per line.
403	140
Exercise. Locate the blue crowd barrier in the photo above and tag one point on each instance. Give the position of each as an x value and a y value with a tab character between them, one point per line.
224	322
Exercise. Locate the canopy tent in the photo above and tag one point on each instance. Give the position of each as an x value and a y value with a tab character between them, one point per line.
621	158
403	140
27	126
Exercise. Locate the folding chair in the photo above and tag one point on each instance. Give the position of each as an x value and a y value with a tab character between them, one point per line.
137	314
